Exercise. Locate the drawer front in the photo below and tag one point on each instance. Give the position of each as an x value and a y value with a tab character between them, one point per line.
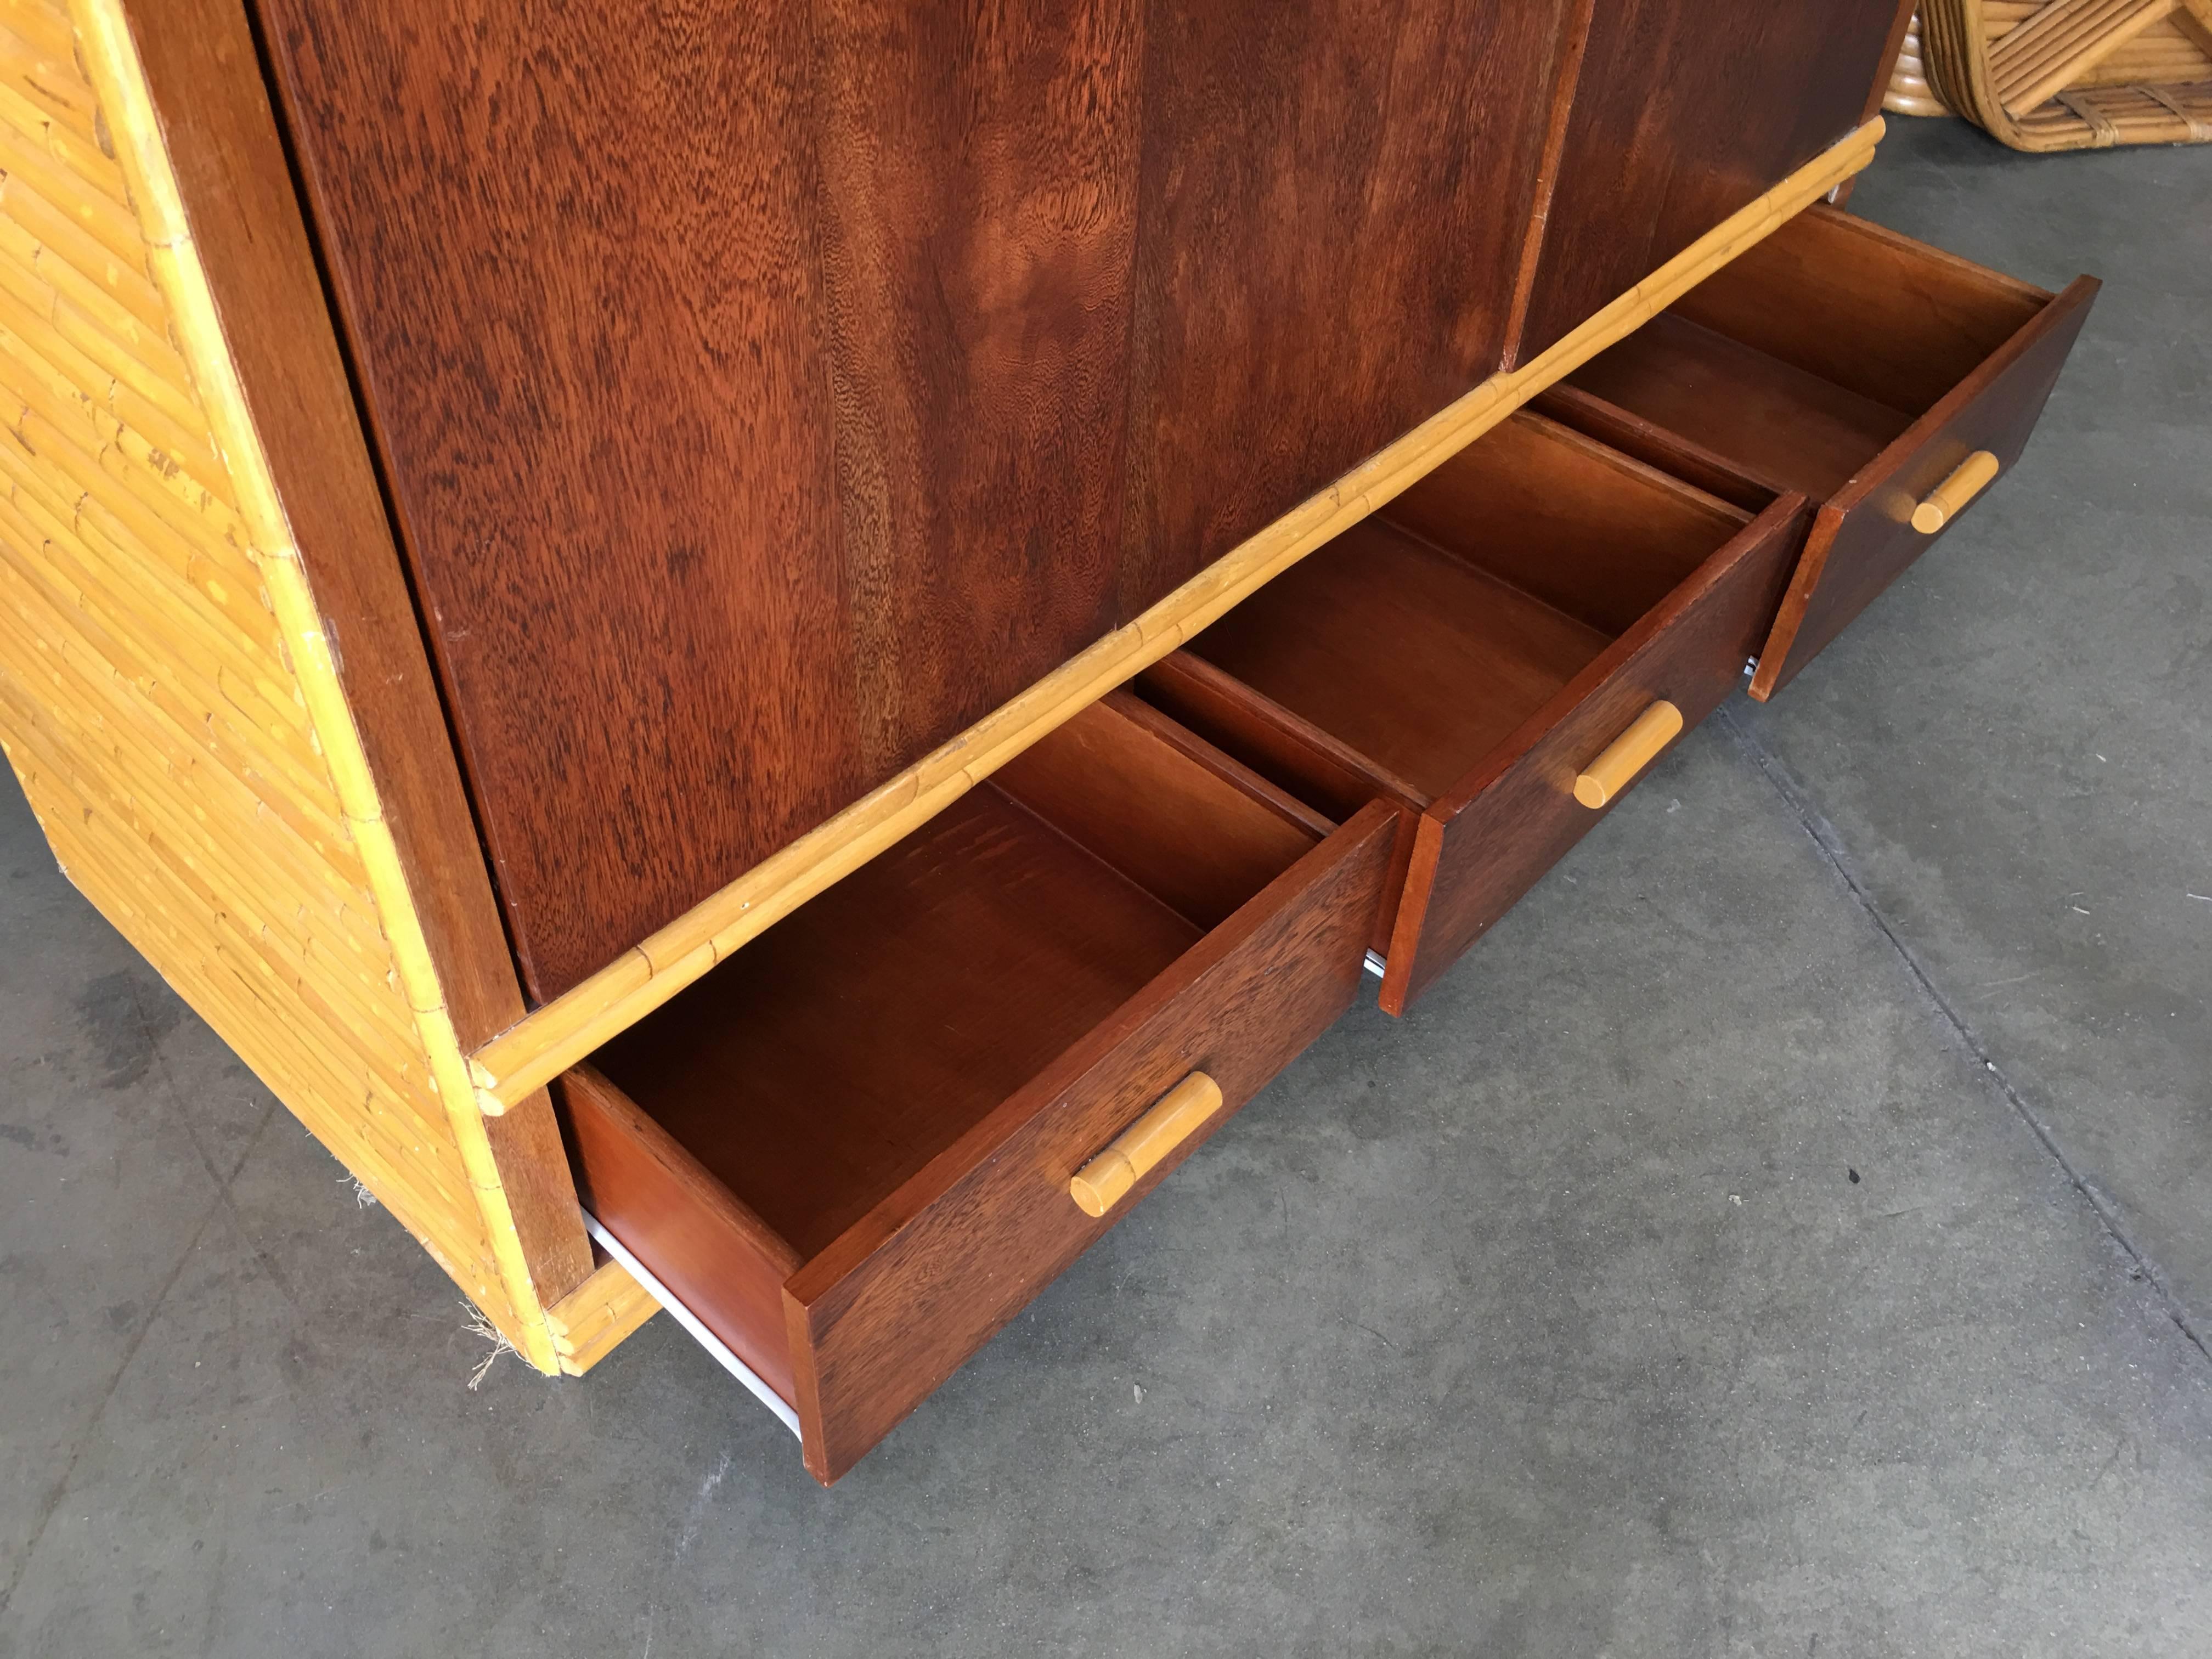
1864	538
898	1303
1479	848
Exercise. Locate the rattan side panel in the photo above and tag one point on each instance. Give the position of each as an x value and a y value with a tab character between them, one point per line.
148	697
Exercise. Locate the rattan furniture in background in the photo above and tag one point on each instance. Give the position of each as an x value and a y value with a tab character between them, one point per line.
1909	93
2060	75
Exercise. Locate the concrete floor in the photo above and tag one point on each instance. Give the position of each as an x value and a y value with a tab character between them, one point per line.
1552	1321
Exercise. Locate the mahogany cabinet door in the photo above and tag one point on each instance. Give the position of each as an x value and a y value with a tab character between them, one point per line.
1683	112
766	393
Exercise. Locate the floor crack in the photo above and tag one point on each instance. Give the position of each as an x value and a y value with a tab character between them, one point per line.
60	1490
222	1182
1824	837
222	1204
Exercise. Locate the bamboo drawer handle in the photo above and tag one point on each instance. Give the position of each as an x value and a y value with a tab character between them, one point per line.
1101	1184
1950	497
1627	755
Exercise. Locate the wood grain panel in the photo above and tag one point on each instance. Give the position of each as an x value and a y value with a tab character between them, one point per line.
757	395
575	250
1864	539
1585	529
978	221
567	1030
1684	110
767	395
1291	752
1335	194
1656	445
1233	832
1415	657
1785	428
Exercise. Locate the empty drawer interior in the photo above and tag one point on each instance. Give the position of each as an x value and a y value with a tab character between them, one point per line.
805	1079
1421	639
1803	358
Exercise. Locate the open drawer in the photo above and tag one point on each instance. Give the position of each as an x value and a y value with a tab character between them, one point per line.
1884	379
864	1143
1498	654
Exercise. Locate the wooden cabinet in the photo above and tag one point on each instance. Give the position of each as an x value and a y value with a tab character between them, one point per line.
893	598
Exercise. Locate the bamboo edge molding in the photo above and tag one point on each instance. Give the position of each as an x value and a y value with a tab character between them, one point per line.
544	1044
112	65
593	1320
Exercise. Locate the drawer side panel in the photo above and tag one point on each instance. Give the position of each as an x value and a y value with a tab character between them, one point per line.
715	1255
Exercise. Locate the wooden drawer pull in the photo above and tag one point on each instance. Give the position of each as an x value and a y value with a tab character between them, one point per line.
1627	755
1950	497
1101	1184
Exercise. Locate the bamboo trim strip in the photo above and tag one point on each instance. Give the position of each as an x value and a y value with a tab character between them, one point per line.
112	61
597	1316
539	1048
